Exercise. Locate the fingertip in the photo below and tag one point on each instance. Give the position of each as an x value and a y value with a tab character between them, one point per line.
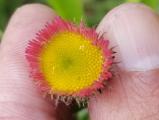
112	15
133	29
17	90
30	14
26	21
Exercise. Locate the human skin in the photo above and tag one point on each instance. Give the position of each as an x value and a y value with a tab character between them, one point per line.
133	92
19	98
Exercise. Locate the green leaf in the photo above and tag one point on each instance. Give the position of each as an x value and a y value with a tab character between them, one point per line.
152	3
133	0
82	115
6	9
68	9
1	33
3	16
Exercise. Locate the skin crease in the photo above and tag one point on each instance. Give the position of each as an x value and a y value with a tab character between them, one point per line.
19	98
133	93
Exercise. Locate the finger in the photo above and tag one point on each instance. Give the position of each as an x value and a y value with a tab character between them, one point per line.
19	99
134	92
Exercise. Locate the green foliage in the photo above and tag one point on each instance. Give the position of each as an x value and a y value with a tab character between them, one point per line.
6	9
68	9
152	3
133	0
82	115
96	9
1	33
91	10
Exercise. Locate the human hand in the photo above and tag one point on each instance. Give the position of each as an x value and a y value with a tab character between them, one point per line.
133	94
19	98
134	91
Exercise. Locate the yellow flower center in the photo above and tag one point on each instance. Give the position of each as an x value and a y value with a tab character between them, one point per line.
70	62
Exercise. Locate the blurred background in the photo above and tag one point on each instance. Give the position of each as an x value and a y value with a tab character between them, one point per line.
91	11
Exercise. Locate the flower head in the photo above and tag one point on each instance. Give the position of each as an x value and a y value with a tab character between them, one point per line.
69	61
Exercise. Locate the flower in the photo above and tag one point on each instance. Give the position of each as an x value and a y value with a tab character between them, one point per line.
69	61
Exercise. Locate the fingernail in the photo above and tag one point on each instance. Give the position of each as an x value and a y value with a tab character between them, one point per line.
133	29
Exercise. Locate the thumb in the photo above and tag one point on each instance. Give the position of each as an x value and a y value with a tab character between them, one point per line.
19	99
134	92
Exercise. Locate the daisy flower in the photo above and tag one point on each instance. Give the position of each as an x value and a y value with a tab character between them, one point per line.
68	61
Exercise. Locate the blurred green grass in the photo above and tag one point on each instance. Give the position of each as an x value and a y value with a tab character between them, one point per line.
64	9
91	11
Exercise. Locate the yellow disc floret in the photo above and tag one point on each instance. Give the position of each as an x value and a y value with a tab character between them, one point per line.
70	62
